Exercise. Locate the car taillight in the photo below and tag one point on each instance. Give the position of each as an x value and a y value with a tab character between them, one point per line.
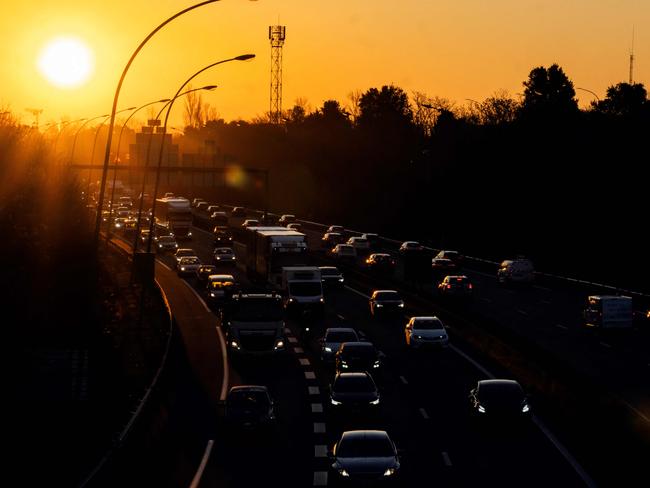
469	286
448	287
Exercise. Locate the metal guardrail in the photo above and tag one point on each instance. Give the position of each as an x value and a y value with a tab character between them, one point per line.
124	433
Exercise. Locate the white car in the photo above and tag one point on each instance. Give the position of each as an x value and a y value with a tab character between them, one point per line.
188	265
182	253
359	243
426	331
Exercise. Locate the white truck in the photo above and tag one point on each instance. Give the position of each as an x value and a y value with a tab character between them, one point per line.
302	288
609	312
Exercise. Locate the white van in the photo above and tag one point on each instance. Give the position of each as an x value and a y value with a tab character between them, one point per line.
518	270
608	312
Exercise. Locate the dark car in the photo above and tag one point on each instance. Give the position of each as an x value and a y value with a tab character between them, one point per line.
383	302
224	255
331	277
238	212
204	271
499	399
220	287
373	239
354	392
410	247
332	340
456	286
222	235
249	406
442	265
454	256
380	261
365	456
331	239
357	356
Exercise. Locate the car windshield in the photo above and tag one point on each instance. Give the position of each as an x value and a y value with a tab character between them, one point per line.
353	384
307	289
387	295
185	252
186	261
208	269
360	351
500	394
428	324
223	251
358	446
341	336
329	272
346	250
166	239
221	283
256	309
248	399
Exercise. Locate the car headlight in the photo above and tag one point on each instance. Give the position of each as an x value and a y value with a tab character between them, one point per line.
182	268
376	364
189	234
218	258
234	345
344	365
291	300
334	402
378	305
401	305
525	408
212	294
344	473
481	408
279	344
328	349
322	300
176	246
341	280
389	472
375	402
159	245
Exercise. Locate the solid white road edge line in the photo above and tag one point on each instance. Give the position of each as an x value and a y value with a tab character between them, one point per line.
204	461
357	292
222	343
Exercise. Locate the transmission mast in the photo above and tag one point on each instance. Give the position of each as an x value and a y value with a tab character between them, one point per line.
632	59
276	36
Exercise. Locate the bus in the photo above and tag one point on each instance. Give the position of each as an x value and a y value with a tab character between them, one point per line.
174	216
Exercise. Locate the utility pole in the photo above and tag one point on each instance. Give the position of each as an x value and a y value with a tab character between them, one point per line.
277	34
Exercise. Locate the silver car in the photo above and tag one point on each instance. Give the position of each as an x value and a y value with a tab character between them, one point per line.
333	338
425	331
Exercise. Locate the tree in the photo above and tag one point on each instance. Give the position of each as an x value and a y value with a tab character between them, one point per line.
549	93
385	109
498	109
623	99
427	109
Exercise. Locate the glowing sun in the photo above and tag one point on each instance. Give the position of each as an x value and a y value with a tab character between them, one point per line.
66	62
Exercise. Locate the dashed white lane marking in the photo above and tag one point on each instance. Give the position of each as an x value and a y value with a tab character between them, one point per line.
357	292
319	428
424	414
316	408
486	300
314	390
304	362
292	340
604	344
298	350
341	317
542	288
560	326
204	461
165	266
309	375
522	312
446	459
320	451
403	380
320	478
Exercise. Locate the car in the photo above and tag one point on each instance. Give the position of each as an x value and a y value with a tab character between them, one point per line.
338	229
455	256
331	239
224	255
385	301
499	400
365	456
238	212
169	195
359	243
357	356
202	206
410	246
219	218
373	239
196	201
295	226
380	261
222	235
516	271
442	265
166	243
211	209
251	223
286	219
331	277
183	253
344	252
220	287
332	340
119	223
204	271
188	265
144	236
456	286
425	331
353	392
249	407
130	224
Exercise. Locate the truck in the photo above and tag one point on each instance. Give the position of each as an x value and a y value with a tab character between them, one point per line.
262	252
609	312
173	216
254	324
302	288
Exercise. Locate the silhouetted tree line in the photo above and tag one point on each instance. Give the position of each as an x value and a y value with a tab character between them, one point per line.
504	176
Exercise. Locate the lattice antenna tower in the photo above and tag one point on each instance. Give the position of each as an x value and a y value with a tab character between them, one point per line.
632	59
276	36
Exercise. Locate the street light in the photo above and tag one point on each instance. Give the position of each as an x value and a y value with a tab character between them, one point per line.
117	155
243	57
585	89
74	142
63	124
146	161
107	152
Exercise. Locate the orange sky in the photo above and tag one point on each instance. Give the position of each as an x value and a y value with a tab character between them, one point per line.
457	49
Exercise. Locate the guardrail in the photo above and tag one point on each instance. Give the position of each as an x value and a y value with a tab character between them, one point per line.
123	435
541	274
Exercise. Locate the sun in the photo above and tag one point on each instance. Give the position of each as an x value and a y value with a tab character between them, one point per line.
66	62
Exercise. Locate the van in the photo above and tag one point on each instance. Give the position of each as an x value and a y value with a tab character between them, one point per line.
608	312
518	270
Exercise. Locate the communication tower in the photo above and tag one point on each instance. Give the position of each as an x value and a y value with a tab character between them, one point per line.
276	36
632	60
35	112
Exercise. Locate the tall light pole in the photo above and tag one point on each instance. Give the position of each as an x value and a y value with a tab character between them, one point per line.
117	155
63	124
242	57
74	141
146	161
589	91
107	152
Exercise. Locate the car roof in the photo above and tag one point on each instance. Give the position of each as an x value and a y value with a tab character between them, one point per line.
260	388
339	329
184	249
385	291
498	382
358	345
365	434
221	277
222	248
328	267
357	374
425	317
383	254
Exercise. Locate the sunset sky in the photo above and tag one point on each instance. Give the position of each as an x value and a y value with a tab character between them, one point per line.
458	49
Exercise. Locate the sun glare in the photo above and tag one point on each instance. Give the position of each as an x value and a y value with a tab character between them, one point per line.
66	62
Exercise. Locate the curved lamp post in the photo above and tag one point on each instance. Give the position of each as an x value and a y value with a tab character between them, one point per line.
107	152
146	161
74	142
63	124
585	89
117	155
243	57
